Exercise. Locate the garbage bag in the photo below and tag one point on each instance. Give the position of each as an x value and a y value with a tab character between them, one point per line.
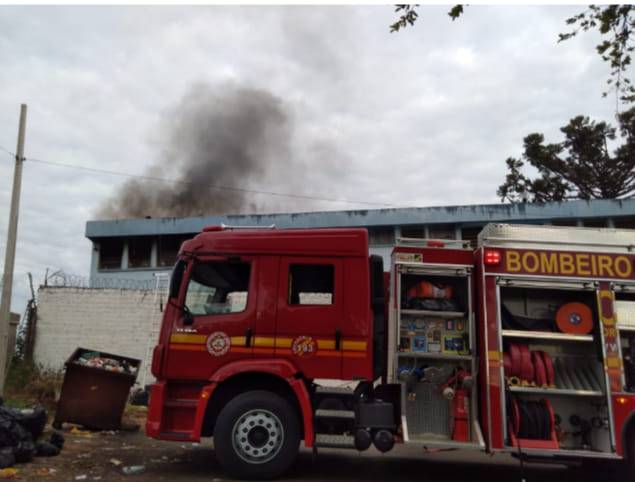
7	457
24	451
57	439
46	449
11	432
32	419
15	436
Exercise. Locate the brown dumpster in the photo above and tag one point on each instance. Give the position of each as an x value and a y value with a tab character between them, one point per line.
95	389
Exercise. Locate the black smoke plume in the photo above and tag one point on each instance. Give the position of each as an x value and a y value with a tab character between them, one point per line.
214	140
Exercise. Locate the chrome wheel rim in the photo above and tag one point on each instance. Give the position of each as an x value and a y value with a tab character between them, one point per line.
257	436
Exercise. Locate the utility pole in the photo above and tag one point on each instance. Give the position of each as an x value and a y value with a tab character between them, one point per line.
9	259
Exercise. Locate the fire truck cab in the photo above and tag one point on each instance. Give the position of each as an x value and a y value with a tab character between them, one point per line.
253	317
524	345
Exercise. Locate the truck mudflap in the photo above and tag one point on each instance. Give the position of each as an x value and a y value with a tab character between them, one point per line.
155	409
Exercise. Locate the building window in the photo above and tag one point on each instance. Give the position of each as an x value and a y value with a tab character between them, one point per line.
139	252
217	288
564	222
110	253
595	223
625	222
383	235
311	284
413	232
168	249
442	231
471	234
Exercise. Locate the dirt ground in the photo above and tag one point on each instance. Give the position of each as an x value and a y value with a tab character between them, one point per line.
102	456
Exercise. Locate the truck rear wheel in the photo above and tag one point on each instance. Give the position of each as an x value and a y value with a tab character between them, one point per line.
257	435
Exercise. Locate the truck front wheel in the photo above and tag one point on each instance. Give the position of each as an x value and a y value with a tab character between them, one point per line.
257	435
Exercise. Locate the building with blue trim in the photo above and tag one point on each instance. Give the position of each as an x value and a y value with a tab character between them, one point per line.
136	249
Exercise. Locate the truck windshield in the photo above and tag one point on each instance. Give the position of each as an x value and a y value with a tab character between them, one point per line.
218	287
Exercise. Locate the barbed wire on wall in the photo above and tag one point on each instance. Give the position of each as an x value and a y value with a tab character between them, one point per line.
62	279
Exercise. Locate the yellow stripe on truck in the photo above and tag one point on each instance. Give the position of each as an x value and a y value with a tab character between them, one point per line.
354	345
264	341
187	338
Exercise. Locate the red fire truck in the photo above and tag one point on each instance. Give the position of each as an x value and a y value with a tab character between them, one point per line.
525	345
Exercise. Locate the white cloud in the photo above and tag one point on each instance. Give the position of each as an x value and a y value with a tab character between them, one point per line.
426	116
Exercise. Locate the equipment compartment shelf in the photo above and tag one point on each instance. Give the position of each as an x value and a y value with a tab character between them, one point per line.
435	314
545	335
436	356
556	391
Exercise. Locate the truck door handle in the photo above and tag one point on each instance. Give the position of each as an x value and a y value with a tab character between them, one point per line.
248	338
338	339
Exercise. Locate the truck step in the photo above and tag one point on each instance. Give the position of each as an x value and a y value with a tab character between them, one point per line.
335	391
181	403
335	414
334	441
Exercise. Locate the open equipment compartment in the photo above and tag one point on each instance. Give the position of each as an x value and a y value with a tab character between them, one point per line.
433	350
555	396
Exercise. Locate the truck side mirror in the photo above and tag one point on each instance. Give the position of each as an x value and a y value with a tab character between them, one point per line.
177	278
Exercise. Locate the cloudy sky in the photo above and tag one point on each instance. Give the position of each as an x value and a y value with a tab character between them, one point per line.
424	117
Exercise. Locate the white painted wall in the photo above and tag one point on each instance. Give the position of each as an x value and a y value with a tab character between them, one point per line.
110	320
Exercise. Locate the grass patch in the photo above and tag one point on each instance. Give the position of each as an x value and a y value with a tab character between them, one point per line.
29	384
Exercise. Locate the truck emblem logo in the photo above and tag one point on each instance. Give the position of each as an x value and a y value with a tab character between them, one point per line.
304	346
218	343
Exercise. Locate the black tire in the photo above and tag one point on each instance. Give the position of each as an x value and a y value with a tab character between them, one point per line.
259	454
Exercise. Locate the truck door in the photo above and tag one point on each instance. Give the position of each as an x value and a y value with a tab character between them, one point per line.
217	324
310	304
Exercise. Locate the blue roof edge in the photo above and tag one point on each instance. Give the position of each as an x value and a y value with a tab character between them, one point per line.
475	213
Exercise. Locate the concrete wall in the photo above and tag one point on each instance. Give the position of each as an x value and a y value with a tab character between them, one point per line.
110	320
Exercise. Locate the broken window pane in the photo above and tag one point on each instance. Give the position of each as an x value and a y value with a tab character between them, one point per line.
139	252
442	231
168	248
470	234
382	235
110	253
413	231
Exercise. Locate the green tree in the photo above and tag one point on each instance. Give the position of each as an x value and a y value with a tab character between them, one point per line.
583	166
616	24
408	15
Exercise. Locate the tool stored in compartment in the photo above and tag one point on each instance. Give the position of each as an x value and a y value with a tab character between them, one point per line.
456	389
574	318
524	367
427	289
530	420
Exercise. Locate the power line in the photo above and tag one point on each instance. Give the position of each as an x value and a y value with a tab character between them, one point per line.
12	154
211	186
